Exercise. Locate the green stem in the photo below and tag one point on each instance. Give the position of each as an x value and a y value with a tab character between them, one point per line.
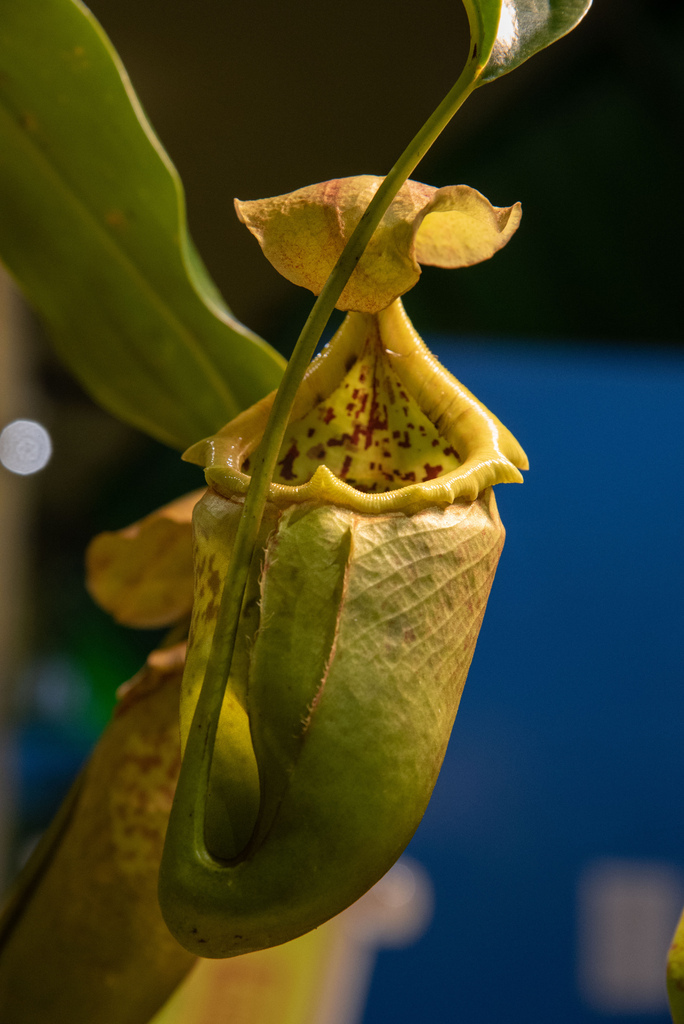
187	818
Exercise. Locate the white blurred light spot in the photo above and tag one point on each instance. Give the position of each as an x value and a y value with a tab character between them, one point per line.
397	888
25	447
396	911
627	911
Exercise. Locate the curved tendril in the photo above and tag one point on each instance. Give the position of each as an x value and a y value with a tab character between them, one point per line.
187	863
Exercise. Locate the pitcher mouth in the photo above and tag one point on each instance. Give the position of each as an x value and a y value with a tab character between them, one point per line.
451	449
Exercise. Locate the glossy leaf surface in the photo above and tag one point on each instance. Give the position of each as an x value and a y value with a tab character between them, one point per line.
92	226
508	32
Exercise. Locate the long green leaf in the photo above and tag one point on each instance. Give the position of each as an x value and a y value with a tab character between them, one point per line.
92	226
508	32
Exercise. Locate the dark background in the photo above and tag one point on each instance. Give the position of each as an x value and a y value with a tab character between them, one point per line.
258	99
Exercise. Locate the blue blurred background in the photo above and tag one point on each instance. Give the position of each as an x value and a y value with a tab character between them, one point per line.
554	836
